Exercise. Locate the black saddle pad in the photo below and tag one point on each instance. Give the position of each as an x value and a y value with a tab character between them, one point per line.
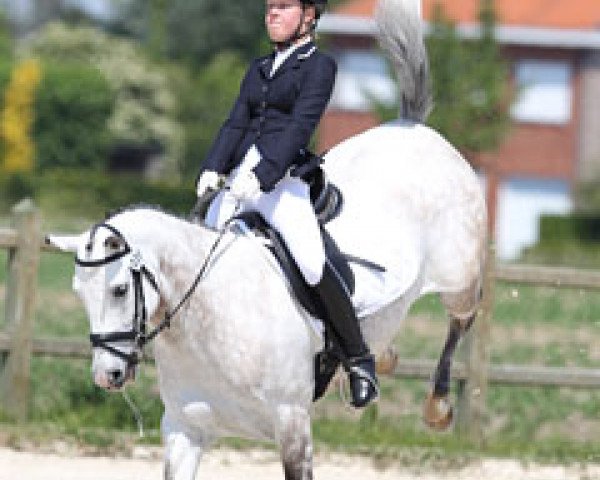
303	292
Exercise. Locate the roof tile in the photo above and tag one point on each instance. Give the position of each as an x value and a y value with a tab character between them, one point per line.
575	14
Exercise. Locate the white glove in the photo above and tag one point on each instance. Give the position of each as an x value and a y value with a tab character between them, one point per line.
209	180
245	186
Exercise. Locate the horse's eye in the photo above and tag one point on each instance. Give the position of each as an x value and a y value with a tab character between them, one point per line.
112	243
120	291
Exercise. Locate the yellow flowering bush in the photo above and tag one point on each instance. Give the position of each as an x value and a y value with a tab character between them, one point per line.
17	117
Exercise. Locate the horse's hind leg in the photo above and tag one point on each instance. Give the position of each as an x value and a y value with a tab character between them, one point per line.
462	309
295	442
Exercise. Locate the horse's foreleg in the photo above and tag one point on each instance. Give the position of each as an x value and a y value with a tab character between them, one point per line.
437	411
294	437
181	454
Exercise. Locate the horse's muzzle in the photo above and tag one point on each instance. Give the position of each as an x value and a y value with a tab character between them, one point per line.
115	379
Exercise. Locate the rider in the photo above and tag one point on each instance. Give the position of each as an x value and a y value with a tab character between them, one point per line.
281	100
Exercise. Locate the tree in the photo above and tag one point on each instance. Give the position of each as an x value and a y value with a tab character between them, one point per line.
145	109
5	38
199	29
29	15
206	102
195	31
470	83
73	105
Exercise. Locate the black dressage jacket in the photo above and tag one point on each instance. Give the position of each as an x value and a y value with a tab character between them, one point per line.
277	114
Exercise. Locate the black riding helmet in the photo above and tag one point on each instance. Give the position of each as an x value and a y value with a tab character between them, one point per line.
319	6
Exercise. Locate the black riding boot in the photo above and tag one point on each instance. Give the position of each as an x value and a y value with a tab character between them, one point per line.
360	363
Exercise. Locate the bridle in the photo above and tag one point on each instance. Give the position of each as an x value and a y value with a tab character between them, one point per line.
139	334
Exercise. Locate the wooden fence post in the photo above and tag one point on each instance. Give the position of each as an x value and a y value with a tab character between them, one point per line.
21	290
472	392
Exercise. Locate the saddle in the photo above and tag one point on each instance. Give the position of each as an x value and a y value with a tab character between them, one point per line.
327	201
303	292
326	361
326	198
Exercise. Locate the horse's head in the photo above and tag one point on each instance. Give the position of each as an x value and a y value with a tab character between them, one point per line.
117	282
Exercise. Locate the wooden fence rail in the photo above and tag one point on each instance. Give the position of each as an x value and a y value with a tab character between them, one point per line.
550	276
410	368
24	243
9	238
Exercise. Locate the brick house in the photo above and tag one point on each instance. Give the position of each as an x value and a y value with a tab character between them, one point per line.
553	49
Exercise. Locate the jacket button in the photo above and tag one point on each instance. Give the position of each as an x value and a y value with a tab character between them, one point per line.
263	104
265	88
261	119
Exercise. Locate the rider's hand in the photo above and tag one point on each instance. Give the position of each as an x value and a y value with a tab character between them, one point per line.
245	186
209	180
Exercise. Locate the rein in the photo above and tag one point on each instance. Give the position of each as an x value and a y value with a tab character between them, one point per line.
138	334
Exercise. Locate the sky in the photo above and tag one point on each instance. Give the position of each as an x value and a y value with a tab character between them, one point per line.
21	9
98	8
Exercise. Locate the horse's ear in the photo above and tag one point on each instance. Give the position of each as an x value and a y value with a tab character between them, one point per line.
66	243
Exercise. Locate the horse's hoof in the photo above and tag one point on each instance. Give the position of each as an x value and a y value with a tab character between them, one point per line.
437	412
387	362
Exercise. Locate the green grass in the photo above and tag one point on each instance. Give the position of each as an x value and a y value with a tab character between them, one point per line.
55	271
63	392
404	439
526	305
516	423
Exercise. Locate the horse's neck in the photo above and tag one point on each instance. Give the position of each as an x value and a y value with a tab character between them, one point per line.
182	251
179	246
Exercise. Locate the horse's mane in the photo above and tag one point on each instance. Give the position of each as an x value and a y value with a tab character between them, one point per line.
142	206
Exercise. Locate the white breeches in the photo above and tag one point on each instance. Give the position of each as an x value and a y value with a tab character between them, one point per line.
288	209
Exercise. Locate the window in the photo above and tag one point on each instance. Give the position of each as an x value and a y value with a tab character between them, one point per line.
363	76
521	203
543	92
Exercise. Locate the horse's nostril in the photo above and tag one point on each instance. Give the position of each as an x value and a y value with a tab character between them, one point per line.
116	378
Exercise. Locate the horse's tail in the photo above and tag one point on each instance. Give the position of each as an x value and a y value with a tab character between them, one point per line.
400	33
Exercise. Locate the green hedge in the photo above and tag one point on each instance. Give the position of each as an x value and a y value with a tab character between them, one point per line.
14	187
6	66
577	226
567	240
73	104
91	194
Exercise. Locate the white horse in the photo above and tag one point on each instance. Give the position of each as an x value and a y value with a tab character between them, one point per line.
238	356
